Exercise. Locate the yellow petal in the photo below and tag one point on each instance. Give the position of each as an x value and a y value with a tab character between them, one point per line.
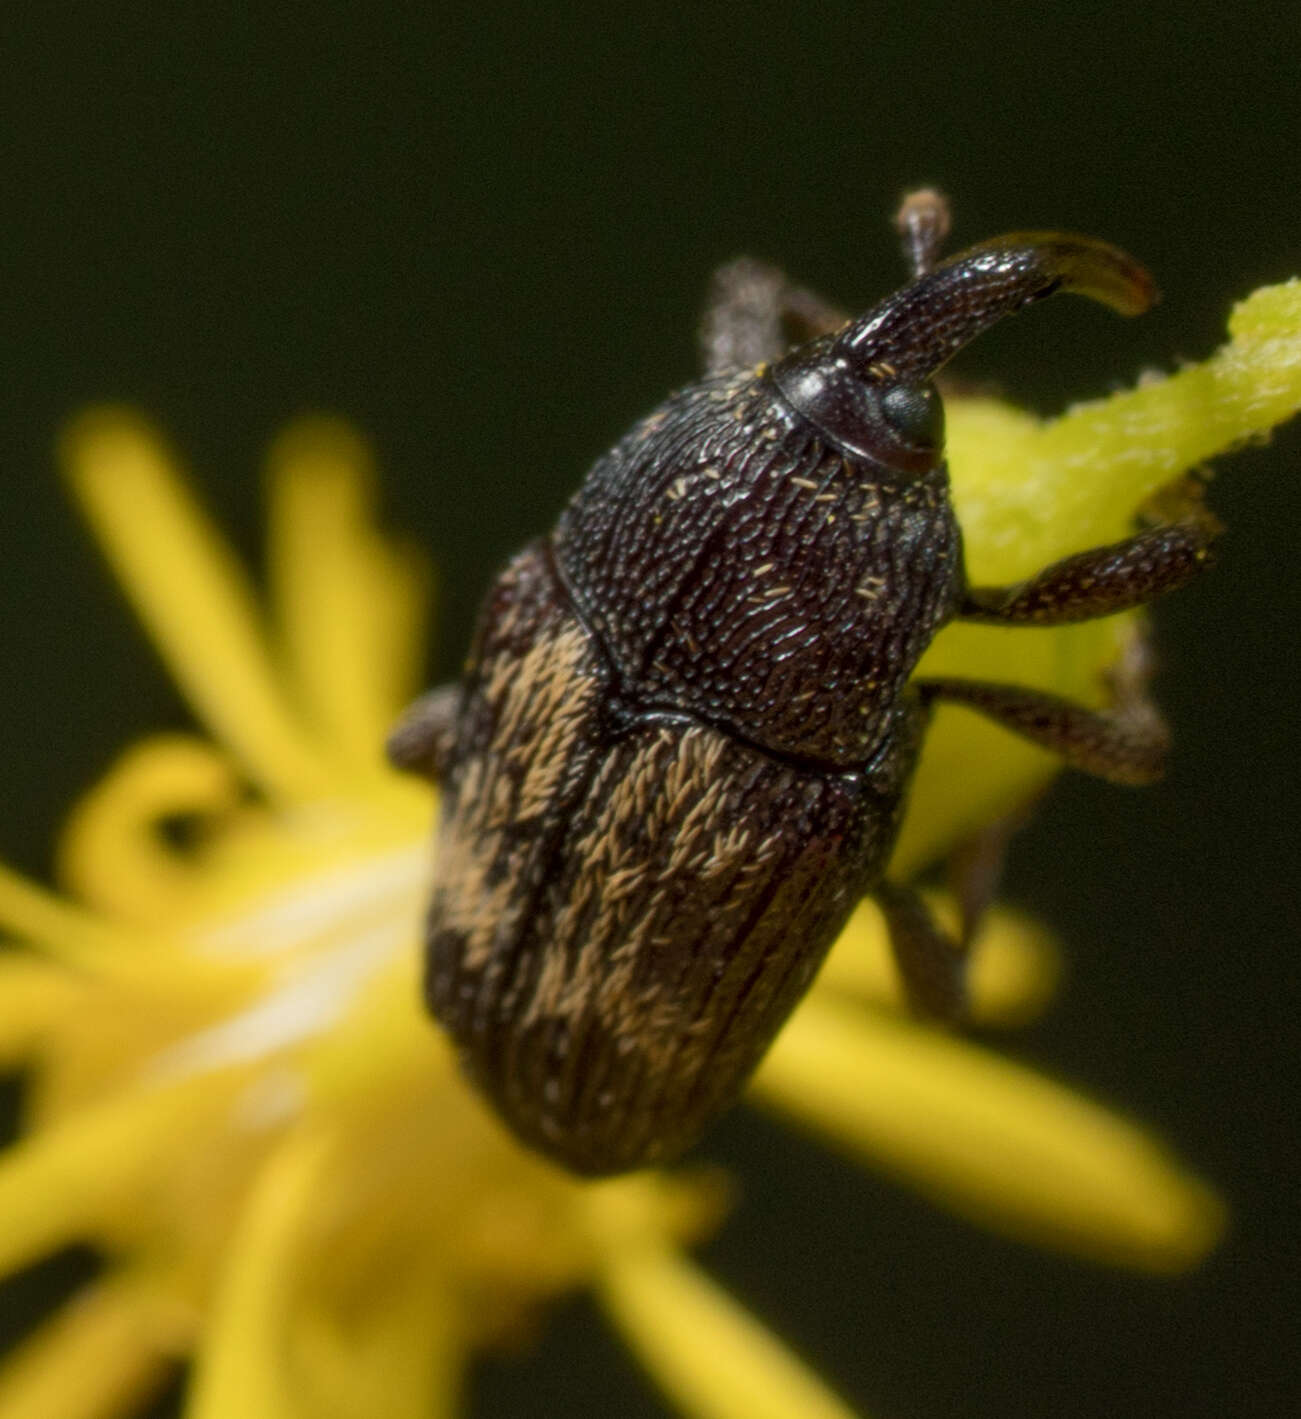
1015	963
34	996
95	1359
80	1178
349	604
59	930
191	594
63	932
113	854
400	1355
1016	967
400	635
712	1358
285	1339
992	1140
243	1366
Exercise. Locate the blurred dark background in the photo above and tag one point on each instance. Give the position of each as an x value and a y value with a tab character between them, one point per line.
483	235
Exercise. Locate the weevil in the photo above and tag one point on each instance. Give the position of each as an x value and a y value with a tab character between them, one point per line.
679	752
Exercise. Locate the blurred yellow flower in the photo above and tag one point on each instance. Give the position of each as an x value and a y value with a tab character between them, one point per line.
231	1091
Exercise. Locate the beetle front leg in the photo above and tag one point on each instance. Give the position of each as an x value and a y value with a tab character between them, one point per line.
755	313
421	741
1103	580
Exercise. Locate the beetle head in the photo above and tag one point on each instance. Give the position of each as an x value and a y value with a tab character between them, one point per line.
868	387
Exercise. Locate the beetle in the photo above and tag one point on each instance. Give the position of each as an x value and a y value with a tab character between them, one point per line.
680	749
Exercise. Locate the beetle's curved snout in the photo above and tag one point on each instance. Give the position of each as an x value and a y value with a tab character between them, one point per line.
920	328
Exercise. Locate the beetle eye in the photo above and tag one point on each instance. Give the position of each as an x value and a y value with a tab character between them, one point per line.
916	413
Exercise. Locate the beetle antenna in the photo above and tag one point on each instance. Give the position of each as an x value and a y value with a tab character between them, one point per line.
923	222
921	327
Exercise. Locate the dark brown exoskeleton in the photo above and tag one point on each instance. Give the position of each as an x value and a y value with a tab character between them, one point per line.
680	749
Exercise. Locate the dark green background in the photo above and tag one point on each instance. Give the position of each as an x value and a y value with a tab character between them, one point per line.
483	234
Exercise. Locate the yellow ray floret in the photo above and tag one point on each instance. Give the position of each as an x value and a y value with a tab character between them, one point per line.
352	606
997	1142
102	1356
193	597
706	1352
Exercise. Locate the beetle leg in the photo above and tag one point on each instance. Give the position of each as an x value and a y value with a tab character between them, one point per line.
1103	580
932	966
1126	743
975	867
755	313
422	739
